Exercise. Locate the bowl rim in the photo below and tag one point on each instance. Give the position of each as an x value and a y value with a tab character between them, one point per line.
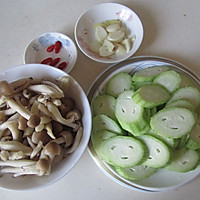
107	60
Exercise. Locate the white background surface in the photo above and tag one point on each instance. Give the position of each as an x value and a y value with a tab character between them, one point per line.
172	30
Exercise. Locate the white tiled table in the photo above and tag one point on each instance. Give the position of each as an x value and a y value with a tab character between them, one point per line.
172	30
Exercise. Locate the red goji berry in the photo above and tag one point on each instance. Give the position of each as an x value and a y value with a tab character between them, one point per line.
54	61
62	65
58	46
46	60
50	48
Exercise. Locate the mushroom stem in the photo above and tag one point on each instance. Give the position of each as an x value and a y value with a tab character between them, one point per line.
57	115
13	127
46	90
17	163
20	109
65	137
15	146
48	128
16	155
19	171
36	150
76	142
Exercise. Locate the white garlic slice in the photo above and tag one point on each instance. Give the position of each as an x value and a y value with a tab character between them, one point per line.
116	36
104	52
113	27
127	44
110	46
94	46
120	50
100	33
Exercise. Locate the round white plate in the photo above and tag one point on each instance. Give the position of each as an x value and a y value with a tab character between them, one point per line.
163	180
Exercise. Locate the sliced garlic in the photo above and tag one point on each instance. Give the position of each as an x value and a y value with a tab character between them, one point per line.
100	33
111	21
112	37
116	36
110	46
127	44
104	52
94	46
120	50
113	27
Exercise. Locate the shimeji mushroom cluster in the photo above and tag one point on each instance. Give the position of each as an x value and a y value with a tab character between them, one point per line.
39	125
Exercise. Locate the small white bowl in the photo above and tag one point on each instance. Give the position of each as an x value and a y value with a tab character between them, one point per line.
60	169
85	33
36	50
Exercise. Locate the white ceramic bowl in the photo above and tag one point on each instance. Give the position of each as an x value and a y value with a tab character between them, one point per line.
61	168
85	33
36	51
163	180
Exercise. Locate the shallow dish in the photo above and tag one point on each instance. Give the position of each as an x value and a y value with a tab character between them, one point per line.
162	180
85	33
36	51
60	169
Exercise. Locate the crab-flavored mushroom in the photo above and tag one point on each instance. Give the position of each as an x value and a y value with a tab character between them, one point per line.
13	127
26	94
59	157
36	150
7	112
21	84
46	90
33	121
22	123
65	137
52	149
53	85
17	163
67	105
6	89
76	141
20	171
40	136
57	115
4	155
57	127
44	165
15	146
16	155
74	115
48	128
43	109
28	131
26	113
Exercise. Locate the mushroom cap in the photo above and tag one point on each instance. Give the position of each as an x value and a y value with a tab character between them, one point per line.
68	136
43	165
52	149
57	127
33	121
40	136
6	89
22	123
75	114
